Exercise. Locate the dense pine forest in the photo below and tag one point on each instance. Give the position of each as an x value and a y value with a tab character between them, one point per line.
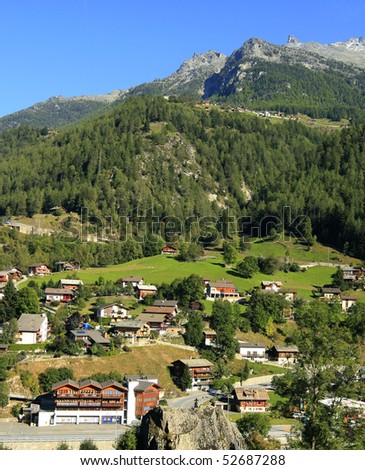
165	159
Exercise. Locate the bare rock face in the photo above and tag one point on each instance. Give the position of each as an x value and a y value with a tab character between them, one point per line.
205	428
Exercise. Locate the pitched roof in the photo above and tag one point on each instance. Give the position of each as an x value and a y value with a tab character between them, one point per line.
152	317
155	309
147	287
72	282
30	322
140	377
248	394
132	279
65	382
244	344
292	348
112	383
348	297
331	290
165	303
94	335
195	362
144	385
53	291
222	283
130	324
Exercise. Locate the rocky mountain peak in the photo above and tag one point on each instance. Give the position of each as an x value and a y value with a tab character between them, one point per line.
293	40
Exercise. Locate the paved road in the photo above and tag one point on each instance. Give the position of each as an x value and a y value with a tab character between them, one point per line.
18	432
189	401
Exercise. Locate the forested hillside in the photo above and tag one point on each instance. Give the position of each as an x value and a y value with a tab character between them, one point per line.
157	158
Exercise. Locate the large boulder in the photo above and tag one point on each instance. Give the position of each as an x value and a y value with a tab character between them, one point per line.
195	429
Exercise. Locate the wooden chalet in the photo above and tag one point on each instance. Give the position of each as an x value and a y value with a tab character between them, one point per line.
71	284
201	371
156	321
284	354
222	289
252	400
145	289
133	281
88	338
58	295
89	401
169	250
134	330
39	269
113	310
147	396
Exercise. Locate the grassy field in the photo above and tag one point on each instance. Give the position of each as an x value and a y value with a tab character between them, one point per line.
148	360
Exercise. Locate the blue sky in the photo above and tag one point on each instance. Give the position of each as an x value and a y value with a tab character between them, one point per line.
79	47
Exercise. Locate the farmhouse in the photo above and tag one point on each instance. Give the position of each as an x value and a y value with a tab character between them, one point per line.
4	276
290	295
201	371
284	354
88	338
62	266
32	328
222	289
330	293
39	269
170	312
112	310
274	286
133	281
144	289
58	295
252	400
134	330
166	303
209	337
156	321
253	351
168	250
347	301
73	284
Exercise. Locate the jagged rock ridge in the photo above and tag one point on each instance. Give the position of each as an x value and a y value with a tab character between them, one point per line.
205	428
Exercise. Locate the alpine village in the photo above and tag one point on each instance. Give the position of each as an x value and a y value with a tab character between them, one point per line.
182	264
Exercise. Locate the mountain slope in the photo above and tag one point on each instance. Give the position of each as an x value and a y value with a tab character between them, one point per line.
316	79
260	75
188	79
150	160
60	111
351	52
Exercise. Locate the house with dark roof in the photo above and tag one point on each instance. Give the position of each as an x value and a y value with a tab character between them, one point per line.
330	293
32	328
284	355
88	338
133	281
201	371
133	330
347	302
252	351
58	295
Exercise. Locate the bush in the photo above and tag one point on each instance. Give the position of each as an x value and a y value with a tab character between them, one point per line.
88	444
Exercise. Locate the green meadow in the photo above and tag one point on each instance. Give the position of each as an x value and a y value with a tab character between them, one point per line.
161	268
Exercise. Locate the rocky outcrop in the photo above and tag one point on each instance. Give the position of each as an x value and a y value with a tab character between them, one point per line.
205	428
